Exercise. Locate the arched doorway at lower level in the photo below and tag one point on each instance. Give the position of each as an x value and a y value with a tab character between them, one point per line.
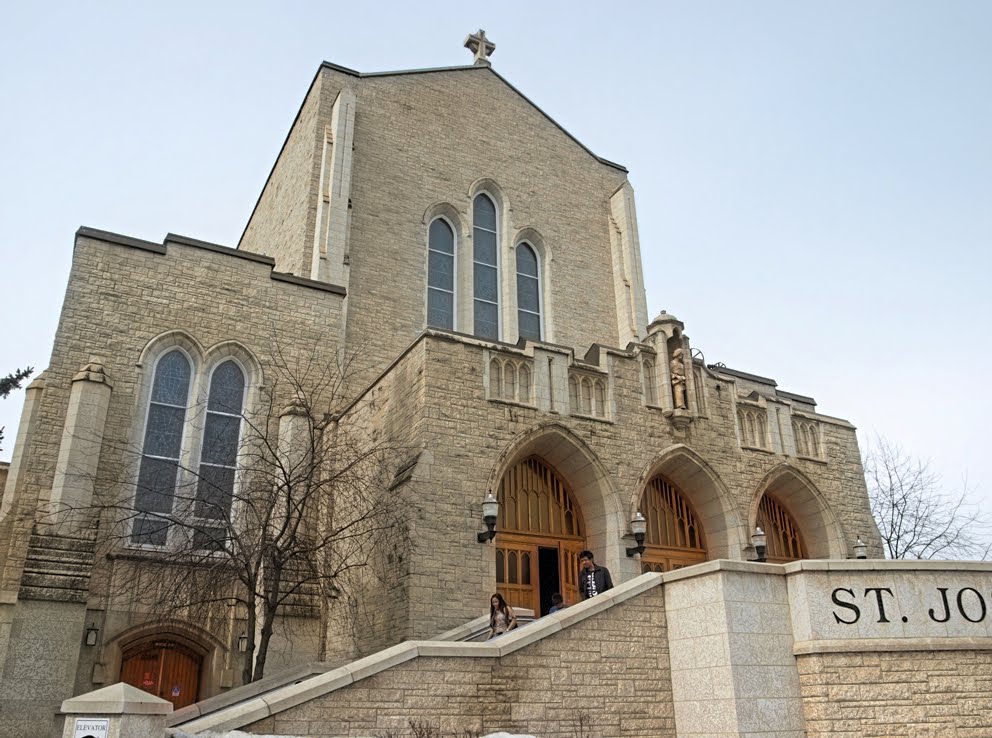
782	535
541	532
674	536
164	668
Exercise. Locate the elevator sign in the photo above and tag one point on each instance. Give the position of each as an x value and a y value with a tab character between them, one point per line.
90	728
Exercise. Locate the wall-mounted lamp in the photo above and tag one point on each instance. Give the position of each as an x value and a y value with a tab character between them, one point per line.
860	549
490	509
759	542
243	643
638	527
91	634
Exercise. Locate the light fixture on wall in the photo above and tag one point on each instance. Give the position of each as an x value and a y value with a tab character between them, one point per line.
490	510
759	542
638	527
91	634
243	643
860	549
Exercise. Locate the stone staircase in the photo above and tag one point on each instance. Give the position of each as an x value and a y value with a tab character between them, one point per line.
476	630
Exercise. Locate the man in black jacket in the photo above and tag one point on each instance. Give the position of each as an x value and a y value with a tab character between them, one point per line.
593	580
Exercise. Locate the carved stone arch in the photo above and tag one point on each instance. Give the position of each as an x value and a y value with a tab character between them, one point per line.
587	477
485	185
211	650
456	219
243	357
702	487
197	638
822	532
163	342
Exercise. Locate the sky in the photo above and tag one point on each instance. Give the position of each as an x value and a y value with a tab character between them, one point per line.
813	180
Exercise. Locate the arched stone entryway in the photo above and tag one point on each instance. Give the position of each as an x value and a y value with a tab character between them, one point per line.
820	532
551	466
171	658
718	523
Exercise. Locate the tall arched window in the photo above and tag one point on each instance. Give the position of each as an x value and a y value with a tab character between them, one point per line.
161	449
441	275
219	452
528	293
485	255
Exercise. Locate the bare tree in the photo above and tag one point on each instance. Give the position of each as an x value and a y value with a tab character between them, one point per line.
308	503
916	516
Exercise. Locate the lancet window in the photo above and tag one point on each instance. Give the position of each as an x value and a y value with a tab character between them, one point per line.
441	275
752	424
807	435
510	379
485	257
188	459
587	395
528	293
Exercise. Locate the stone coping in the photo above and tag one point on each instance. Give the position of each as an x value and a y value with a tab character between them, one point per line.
818	565
172	238
708	567
810	565
278	700
117	699
860	645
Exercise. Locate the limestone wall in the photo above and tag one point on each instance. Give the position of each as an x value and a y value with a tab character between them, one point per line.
282	222
605	676
918	693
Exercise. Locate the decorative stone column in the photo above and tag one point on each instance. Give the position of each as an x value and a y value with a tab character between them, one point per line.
79	452
25	431
117	711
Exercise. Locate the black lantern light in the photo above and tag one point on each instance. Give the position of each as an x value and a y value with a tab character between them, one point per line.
759	542
638	527
490	509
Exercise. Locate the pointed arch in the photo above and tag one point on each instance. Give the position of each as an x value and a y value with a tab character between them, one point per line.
587	477
822	532
702	487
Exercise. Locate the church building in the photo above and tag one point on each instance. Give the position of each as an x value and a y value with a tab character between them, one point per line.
479	268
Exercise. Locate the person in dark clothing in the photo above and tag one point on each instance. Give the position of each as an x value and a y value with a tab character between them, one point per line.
593	580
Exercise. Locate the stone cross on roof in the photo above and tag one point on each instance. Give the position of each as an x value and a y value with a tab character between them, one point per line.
481	46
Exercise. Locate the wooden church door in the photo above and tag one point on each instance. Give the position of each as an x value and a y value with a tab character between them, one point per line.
165	669
540	533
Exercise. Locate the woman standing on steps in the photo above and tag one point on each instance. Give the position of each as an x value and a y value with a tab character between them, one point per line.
501	617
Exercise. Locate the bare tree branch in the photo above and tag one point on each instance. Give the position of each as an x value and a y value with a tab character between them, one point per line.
916	517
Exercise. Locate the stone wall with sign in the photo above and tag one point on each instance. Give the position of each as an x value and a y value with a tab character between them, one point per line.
724	649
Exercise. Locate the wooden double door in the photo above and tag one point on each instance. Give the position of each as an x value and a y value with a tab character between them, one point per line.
529	569
541	533
164	668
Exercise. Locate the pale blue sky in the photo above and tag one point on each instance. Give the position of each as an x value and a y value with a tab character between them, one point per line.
814	180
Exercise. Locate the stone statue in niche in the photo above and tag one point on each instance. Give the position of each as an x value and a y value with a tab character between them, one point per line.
678	379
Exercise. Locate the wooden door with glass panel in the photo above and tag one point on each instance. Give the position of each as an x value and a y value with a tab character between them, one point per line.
674	538
540	533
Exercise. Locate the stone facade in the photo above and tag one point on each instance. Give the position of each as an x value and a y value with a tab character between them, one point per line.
334	264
